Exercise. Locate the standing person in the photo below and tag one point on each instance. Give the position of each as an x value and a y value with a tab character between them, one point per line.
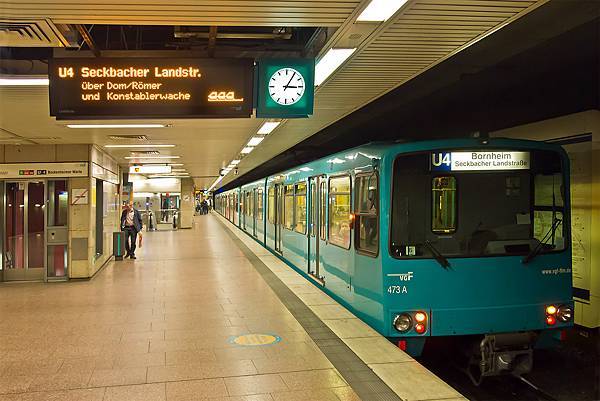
131	223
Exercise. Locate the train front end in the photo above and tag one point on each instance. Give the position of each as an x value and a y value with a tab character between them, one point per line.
479	247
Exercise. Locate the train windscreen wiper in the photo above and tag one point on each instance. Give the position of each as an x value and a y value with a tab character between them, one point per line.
550	234
441	259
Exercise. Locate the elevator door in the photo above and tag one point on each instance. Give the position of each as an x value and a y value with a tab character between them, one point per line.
25	228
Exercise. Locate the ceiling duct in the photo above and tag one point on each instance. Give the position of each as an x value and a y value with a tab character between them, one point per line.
145	152
128	137
34	33
223	33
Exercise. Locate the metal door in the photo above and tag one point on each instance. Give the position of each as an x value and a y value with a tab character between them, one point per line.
254	211
57	238
278	216
24	230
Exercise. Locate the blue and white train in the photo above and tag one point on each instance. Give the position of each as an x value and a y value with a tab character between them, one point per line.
465	237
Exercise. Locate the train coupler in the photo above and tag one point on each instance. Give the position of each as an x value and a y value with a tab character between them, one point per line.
501	354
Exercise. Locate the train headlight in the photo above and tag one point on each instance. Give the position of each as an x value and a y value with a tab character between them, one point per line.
403	323
550	310
564	313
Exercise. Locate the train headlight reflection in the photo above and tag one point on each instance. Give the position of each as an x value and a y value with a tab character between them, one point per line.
564	313
403	323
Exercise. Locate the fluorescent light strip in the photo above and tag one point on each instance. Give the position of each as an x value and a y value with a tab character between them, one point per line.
268	127
175	164
247	150
254	141
330	62
150	157
177	169
380	10
16	81
139	146
235	162
117	125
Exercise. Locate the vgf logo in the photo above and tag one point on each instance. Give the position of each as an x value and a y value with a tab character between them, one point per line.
441	161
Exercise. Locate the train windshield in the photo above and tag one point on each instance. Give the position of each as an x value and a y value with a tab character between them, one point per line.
477	203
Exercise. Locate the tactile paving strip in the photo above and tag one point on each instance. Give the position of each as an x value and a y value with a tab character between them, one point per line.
365	383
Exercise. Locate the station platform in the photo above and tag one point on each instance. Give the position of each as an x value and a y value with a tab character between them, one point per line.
204	313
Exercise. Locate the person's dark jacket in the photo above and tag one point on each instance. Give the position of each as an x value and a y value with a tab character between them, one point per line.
137	220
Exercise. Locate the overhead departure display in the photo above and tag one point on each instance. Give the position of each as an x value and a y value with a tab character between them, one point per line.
85	88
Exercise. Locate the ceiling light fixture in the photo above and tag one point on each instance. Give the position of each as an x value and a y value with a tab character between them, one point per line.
151	157
330	62
254	141
139	146
170	175
235	162
175	164
268	127
247	150
112	126
18	81
380	10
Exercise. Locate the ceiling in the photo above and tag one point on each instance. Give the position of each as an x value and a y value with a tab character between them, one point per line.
423	34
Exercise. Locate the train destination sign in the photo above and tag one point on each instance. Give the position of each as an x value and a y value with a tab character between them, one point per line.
479	161
84	88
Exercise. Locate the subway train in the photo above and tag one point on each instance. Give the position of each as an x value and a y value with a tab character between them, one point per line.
464	238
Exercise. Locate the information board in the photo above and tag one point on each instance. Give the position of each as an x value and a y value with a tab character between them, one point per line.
479	161
84	88
44	170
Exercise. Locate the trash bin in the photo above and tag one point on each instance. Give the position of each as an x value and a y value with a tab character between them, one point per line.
118	245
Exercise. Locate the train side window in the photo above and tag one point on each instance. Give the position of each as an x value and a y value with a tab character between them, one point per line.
288	203
300	206
444	205
322	211
259	204
366	214
271	205
339	211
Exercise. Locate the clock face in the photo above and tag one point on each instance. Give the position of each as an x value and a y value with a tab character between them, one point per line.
286	86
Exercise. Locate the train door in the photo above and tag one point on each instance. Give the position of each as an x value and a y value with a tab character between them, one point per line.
278	216
235	209
316	222
244	209
254	211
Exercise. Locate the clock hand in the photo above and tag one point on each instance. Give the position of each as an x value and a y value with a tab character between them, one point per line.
289	82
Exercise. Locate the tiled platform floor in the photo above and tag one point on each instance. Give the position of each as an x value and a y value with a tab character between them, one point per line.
158	328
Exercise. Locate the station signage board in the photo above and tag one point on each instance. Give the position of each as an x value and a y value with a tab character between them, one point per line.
480	161
97	88
285	88
43	170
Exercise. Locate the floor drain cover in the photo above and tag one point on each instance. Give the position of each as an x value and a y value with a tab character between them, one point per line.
252	340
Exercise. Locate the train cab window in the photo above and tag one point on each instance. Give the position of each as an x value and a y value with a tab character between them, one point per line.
271	205
443	211
322	211
288	203
259	204
495	202
300	206
366	214
339	211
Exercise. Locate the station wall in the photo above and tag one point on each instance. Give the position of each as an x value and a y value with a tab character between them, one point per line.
580	135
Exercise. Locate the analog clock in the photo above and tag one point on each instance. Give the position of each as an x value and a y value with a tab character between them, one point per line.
286	86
